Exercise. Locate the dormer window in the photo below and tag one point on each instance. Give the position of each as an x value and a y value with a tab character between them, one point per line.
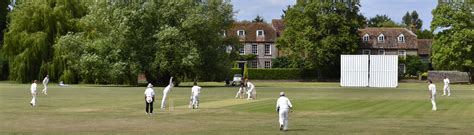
260	33
401	38
241	33
366	38
381	38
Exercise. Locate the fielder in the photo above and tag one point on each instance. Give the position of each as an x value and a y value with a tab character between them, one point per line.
283	107
33	88
45	84
251	90
195	91
446	88
165	93
432	90
241	91
149	99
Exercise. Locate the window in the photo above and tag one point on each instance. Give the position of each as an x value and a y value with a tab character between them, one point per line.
366	51
260	33
381	52
254	49
401	68
241	33
366	38
254	64
242	51
402	53
401	38
381	38
268	49
228	49
268	64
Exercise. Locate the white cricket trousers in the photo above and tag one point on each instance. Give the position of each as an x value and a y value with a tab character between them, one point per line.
33	100
446	90
45	90
195	101
433	101
163	101
283	118
240	93
249	94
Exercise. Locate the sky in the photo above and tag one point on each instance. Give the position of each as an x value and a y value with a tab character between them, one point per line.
395	9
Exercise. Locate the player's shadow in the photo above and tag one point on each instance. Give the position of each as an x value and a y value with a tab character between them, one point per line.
298	129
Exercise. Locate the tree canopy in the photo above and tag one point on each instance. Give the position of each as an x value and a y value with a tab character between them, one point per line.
453	44
113	42
258	19
317	33
412	21
381	21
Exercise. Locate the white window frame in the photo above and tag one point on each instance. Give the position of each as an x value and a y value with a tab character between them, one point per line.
381	38
366	50
382	50
366	37
404	54
256	49
403	66
269	49
243	33
268	64
401	38
254	64
263	33
242	50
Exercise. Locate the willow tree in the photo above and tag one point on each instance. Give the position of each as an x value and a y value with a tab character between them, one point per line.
34	26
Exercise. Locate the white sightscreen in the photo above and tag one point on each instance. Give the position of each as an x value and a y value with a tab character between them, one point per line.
383	71
354	70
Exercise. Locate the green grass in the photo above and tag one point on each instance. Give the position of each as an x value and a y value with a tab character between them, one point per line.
320	108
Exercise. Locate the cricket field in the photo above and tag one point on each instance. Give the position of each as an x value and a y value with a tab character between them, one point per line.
319	108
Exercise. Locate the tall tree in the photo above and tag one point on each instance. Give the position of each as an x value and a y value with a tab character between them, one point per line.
317	33
453	44
381	21
258	19
3	25
412	21
32	31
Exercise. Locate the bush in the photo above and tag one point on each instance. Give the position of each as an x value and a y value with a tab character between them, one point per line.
271	73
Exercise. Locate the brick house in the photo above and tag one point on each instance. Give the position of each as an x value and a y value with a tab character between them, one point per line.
259	39
393	41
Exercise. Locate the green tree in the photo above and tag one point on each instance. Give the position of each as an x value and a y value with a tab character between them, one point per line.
424	34
34	27
453	44
412	21
281	62
381	21
317	33
414	65
3	25
258	19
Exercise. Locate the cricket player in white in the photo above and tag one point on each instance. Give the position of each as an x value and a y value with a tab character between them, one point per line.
45	84
241	91
195	91
446	88
33	88
251	90
149	99
165	93
283	107
432	90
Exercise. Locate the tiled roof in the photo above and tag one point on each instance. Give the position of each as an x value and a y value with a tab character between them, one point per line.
251	31
391	38
424	46
278	25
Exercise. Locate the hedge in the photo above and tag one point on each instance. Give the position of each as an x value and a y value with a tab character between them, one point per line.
271	73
